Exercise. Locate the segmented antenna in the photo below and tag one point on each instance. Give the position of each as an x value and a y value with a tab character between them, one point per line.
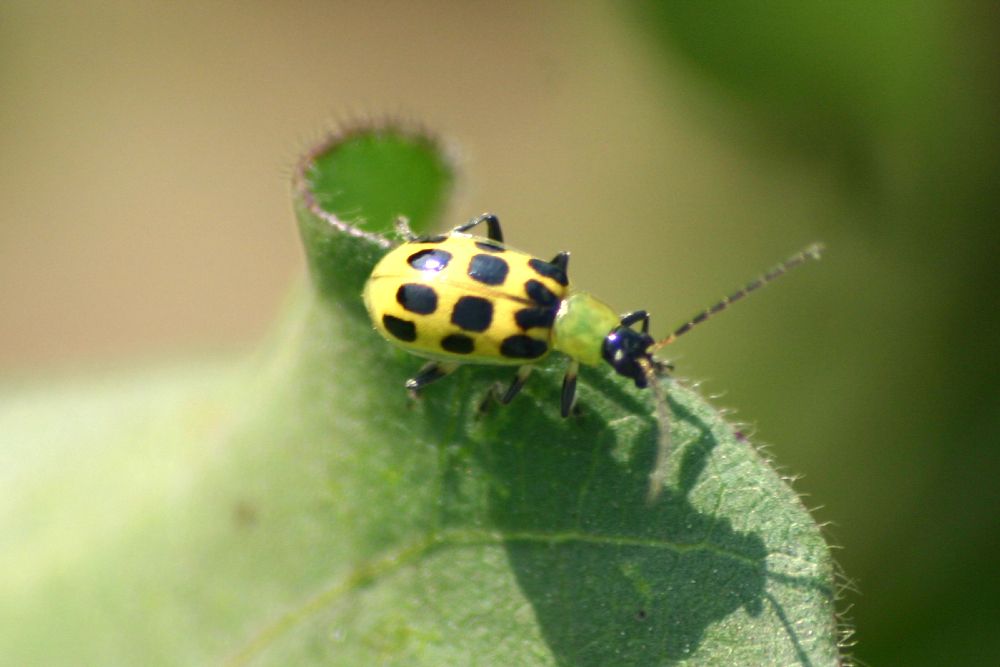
812	252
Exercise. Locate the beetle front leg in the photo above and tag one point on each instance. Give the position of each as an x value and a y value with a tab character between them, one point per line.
636	316
569	388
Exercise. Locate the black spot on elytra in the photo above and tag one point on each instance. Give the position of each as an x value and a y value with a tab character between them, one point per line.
416	298
458	343
548	270
473	313
540	294
429	259
523	347
527	318
488	270
401	329
490	246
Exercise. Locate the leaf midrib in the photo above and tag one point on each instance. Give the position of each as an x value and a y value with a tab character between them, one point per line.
396	559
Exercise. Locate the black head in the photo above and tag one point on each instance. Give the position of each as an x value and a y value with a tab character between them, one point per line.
623	348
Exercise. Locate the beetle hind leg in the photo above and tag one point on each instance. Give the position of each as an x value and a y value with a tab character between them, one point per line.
434	370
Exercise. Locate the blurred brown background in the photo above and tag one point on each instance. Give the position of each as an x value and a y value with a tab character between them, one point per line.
145	150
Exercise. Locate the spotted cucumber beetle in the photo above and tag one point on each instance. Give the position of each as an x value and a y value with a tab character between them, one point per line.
460	299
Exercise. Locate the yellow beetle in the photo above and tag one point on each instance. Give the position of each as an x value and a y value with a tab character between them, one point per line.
460	299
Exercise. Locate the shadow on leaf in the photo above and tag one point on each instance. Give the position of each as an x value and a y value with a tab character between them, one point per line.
611	579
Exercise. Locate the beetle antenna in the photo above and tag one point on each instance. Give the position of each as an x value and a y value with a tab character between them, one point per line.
812	252
663	441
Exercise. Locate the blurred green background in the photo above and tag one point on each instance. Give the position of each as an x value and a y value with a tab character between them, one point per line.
676	149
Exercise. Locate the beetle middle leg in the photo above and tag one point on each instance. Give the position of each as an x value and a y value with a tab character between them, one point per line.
493	231
505	396
523	373
569	388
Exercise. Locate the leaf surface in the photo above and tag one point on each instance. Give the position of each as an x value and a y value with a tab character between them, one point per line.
297	508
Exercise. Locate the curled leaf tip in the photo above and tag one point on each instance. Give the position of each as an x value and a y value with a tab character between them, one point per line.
352	187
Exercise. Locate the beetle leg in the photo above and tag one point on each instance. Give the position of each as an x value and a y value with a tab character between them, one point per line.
515	387
493	231
636	316
562	261
434	370
569	387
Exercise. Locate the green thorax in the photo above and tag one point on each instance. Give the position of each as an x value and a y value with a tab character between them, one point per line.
581	325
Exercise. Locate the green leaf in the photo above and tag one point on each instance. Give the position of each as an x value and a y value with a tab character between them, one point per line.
297	508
